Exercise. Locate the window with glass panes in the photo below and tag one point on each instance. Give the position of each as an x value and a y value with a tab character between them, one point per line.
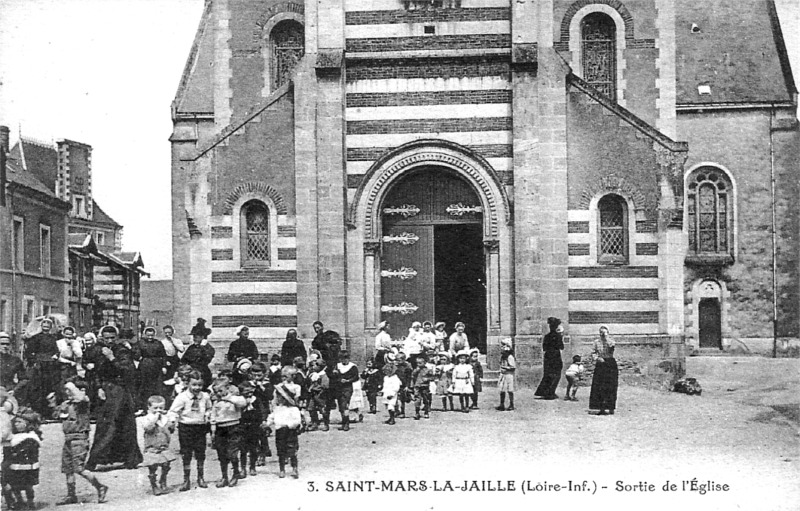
709	214
287	42
598	52
255	245
613	236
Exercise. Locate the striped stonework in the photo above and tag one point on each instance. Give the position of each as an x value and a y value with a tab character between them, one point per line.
578	249
647	249
254	276
287	254
613	317
427	16
222	254
613	272
577	227
221	232
254	299
613	294
254	321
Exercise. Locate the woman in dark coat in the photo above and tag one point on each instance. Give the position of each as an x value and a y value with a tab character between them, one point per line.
41	352
552	345
200	354
151	367
115	436
292	347
603	396
242	347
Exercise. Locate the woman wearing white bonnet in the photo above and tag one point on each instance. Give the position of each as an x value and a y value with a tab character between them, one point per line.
383	344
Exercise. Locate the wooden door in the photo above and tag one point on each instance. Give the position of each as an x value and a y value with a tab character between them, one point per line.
429	201
407	276
710	323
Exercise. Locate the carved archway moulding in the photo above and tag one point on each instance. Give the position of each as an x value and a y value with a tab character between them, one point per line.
267	19
613	184
365	208
259	188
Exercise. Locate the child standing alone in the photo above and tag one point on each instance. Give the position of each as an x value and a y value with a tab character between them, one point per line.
477	369
74	415
157	432
508	366
462	380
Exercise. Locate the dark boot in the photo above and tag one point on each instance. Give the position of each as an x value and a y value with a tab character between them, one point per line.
293	461
345	423
282	465
154	484
201	481
71	498
391	418
236	474
510	401
162	482
187	483
222	483
102	491
502	406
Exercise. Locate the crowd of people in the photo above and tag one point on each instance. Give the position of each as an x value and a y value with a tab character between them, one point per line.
113	379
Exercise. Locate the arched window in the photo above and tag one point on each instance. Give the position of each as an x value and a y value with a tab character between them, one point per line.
287	43
598	52
612	230
255	233
710	216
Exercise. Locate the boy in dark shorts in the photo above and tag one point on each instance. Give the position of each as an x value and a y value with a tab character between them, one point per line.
74	414
192	411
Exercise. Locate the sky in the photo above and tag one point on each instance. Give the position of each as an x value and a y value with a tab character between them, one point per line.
104	72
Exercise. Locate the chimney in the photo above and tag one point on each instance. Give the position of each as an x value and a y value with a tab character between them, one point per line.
3	151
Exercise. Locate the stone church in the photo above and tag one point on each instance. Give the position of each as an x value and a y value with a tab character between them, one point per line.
624	163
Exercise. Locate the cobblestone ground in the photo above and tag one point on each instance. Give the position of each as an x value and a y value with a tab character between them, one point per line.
742	432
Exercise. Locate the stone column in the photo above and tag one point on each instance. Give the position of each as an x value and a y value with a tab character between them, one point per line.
331	173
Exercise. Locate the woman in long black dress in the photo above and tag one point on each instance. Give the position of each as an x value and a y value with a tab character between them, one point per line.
41	352
292	347
115	436
200	354
552	345
151	367
603	396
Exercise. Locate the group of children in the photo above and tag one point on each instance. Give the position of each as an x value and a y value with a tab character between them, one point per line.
244	406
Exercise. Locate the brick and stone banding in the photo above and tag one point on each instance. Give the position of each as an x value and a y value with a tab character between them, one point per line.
613	294
427	15
287	254
645	249
485	150
443	42
254	321
613	272
618	317
254	276
287	231
427	68
416	98
577	227
428	125
221	232
222	254
578	249
254	299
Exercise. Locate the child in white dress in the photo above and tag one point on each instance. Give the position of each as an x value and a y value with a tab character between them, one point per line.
463	377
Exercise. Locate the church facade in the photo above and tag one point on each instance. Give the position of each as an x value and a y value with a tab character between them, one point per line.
494	162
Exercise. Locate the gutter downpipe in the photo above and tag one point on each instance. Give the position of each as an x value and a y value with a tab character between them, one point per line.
774	235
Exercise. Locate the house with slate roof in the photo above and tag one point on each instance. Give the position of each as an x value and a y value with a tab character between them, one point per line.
103	282
608	162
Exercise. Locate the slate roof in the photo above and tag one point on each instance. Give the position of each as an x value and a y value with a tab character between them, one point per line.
16	175
739	52
38	158
195	92
100	216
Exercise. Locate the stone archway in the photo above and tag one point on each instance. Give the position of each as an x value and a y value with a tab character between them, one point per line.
365	217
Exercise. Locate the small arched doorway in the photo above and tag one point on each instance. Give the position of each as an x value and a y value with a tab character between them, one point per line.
709	315
433	266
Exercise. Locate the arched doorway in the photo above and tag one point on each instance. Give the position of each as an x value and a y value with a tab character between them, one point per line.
709	315
433	266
